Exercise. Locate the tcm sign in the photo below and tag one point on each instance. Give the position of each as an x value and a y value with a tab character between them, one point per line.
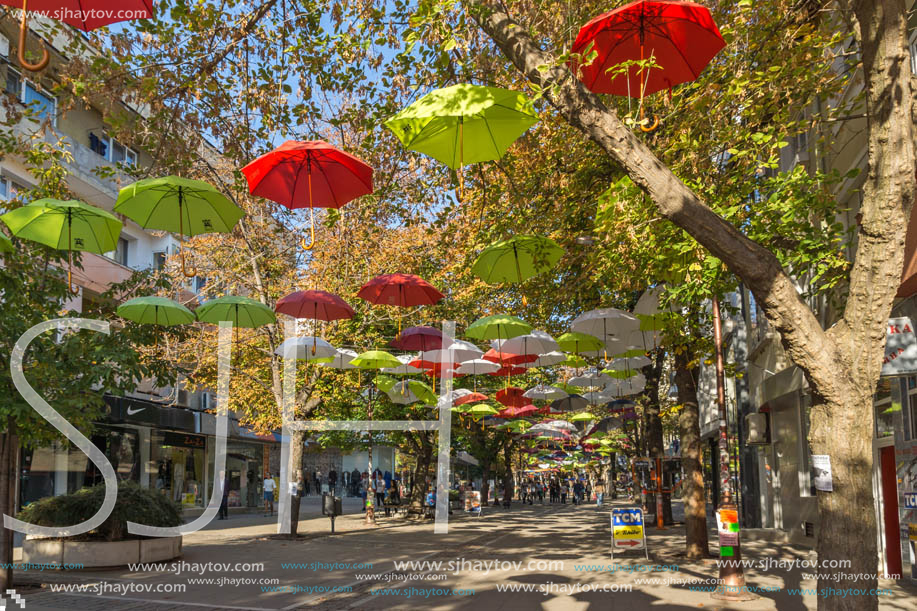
900	348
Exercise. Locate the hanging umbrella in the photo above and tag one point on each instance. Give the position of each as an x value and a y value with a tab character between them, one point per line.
478	367
469	397
680	36
418	338
314	305
516	260
588	381
65	225
401	290
459	352
156	311
581	417
509	370
481	410
597	397
508	358
530	344
178	205
375	359
641	341
6	244
545	393
606	324
629	363
306	348
498	326
620	374
405	368
570	403
464	124
311	175
515	426
411	391
512	397
84	15
240	311
518	412
341	360
579	342
550	359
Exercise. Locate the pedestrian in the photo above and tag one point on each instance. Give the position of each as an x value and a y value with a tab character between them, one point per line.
224	502
269	486
540	487
563	493
332	481
380	489
599	493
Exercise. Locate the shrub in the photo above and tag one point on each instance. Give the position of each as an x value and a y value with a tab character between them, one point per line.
134	503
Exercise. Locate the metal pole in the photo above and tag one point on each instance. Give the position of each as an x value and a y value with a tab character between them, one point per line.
732	577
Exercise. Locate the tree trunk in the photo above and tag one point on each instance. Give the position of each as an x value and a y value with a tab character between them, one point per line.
297	440
421	471
9	445
692	458
611	488
508	474
655	446
842	365
485	481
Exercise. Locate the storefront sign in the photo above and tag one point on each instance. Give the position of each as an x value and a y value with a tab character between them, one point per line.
627	530
900	348
910	500
728	530
183	440
821	463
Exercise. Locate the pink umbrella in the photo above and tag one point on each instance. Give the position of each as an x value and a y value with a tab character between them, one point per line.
418	338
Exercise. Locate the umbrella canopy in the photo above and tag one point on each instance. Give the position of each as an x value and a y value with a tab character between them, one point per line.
316	305
498	326
534	343
84	15
459	351
575	342
504	357
605	323
581	417
410	391
620	374
405	368
545	393
681	36
509	370
477	367
375	359
587	381
312	174
402	290
512	397
516	259
65	225
6	244
240	311
626	363
469	397
178	205
570	403
418	338
155	311
341	360
550	359
560	425
464	124
518	412
515	426
306	348
480	410
597	397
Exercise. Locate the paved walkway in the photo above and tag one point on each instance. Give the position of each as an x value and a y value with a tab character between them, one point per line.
562	551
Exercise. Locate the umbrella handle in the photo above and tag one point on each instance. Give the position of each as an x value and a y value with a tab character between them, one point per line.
23	30
651	128
74	290
188	273
311	244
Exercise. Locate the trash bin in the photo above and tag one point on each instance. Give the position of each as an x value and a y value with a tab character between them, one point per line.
331	505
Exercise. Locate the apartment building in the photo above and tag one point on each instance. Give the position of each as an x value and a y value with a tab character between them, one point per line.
162	438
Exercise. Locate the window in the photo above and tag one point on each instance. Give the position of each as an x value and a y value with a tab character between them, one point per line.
159	261
886	405
10	189
42	104
112	150
13	83
119	254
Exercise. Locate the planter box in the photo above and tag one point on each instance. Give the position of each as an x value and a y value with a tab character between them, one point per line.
93	554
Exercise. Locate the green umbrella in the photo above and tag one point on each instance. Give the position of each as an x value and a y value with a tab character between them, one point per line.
155	311
651	322
480	410
515	426
240	311
581	417
629	354
375	359
621	375
575	361
65	225
439	124
6	244
516	260
498	326
179	205
575	342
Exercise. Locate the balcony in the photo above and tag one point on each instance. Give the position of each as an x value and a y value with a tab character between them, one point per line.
99	273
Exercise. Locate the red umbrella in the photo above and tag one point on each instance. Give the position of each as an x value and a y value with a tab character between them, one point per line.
474	397
517	412
84	15
512	397
680	36
317	305
402	290
508	358
308	175
418	338
509	370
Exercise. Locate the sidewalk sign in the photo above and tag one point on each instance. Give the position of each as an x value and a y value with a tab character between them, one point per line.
627	530
728	531
473	502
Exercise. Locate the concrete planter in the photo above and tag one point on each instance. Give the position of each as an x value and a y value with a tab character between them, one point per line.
92	554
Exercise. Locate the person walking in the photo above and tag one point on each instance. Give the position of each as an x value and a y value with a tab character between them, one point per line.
540	487
563	493
269	486
224	502
380	489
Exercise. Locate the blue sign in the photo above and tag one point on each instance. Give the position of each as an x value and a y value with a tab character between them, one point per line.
910	500
627	516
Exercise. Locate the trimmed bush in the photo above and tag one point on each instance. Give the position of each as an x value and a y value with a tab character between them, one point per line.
134	503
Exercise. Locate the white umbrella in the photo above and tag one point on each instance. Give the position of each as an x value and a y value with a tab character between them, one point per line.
536	342
597	397
551	358
401	393
303	347
606	323
458	393
612	345
477	367
572	403
457	352
561	425
404	368
647	340
342	359
634	362
598	379
545	393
